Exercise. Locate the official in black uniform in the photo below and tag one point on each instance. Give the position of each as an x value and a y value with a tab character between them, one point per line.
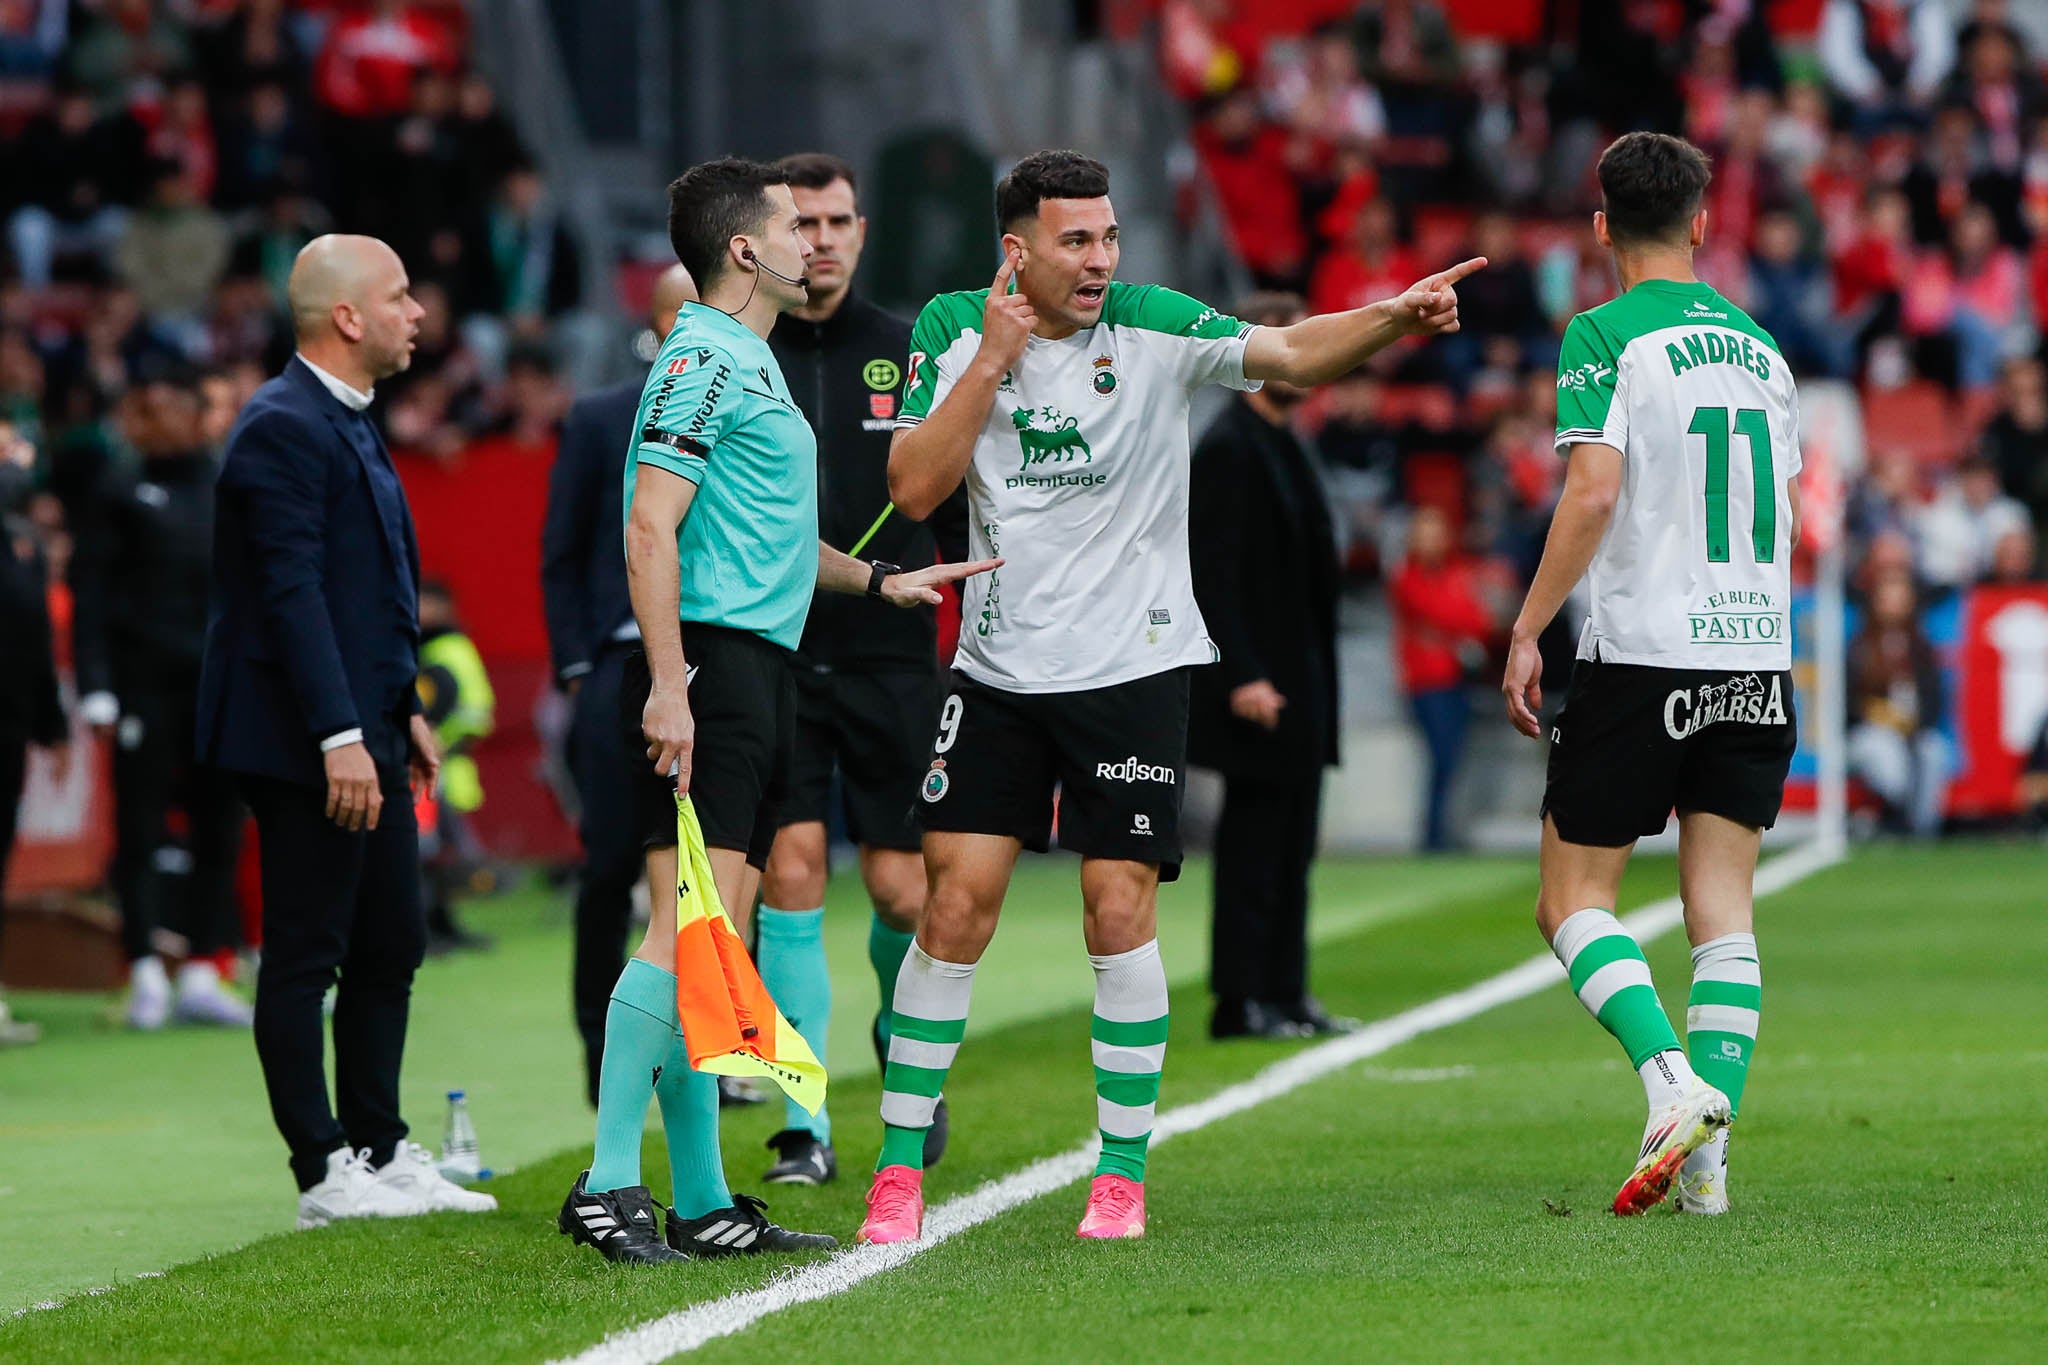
31	711
868	687
1266	717
590	633
145	553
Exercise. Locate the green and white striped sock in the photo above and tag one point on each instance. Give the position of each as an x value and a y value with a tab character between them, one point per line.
1721	1015
927	1020
1612	980
1128	1038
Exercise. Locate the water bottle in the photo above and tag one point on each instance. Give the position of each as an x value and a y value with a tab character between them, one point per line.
459	1160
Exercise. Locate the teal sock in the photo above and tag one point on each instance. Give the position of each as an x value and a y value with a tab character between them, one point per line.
886	949
689	1121
791	955
639	1031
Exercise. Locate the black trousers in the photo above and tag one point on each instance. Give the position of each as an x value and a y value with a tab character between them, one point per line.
152	772
13	772
1265	842
338	907
602	766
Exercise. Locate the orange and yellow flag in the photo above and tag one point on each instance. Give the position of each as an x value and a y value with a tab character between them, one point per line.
730	1024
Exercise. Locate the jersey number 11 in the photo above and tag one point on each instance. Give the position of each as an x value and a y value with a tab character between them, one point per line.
1713	424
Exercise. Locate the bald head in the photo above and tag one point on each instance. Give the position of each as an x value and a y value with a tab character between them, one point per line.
351	302
674	289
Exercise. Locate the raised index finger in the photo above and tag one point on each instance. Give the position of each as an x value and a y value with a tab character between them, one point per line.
1459	272
1003	272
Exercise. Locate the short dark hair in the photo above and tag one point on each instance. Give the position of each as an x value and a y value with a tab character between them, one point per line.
1651	185
1047	175
816	170
710	204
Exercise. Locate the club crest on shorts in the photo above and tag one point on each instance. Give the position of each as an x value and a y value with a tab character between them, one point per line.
936	782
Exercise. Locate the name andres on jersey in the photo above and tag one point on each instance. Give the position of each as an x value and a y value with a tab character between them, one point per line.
1718	348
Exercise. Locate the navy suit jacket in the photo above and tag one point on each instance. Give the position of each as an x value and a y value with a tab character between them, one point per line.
583	555
313	626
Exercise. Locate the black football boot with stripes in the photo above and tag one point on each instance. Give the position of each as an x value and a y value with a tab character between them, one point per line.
619	1223
742	1230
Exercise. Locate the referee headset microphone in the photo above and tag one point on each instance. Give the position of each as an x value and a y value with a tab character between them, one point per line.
747	254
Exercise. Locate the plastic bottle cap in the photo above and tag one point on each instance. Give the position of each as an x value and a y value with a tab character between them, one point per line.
455	1094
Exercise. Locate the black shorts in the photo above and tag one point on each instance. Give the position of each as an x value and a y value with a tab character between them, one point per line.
744	710
1116	755
1633	743
875	728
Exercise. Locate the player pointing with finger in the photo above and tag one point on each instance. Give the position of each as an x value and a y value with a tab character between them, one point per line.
1060	397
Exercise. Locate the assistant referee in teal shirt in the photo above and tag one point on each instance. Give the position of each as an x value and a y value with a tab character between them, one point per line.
722	555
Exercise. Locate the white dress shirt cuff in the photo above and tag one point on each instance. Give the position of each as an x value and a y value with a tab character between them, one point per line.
341	737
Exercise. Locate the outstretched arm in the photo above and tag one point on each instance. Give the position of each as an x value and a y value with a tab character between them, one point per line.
839	572
1319	349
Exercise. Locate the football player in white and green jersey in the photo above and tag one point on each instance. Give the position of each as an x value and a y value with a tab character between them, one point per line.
1679	420
1060	396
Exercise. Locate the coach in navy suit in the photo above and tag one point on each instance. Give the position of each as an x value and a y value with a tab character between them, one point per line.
306	694
590	632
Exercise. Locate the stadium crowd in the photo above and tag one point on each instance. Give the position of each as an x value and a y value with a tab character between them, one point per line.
161	165
1880	204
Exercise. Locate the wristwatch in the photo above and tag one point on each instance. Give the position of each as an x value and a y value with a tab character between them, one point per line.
880	569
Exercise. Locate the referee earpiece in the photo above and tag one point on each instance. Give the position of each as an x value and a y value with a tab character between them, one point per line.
747	254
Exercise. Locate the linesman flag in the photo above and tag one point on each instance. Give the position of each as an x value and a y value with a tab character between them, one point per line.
730	1024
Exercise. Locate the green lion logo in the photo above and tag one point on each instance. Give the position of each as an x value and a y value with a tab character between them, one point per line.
1047	434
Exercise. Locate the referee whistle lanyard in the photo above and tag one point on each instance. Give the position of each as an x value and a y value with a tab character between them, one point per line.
862	543
730	1024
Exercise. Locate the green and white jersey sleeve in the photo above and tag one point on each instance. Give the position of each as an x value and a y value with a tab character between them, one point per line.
1079	481
1695	569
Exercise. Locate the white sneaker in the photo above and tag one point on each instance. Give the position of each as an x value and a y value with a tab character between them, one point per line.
1703	1183
149	994
352	1190
17	1032
203	1000
411	1173
1674	1133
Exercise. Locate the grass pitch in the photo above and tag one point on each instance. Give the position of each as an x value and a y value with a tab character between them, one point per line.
1445	1201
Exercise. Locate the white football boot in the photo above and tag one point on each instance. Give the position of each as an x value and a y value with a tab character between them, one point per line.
203	1000
149	994
1703	1182
352	1190
411	1172
1673	1133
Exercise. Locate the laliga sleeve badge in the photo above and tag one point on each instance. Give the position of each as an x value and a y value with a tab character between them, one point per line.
936	783
1104	381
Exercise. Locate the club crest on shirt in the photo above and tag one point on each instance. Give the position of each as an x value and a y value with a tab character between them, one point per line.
1104	380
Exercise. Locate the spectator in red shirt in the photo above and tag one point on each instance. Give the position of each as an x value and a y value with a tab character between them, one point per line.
365	70
1439	623
1246	159
1968	296
1371	264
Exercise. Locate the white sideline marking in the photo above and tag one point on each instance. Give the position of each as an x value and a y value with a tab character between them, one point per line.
688	1328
